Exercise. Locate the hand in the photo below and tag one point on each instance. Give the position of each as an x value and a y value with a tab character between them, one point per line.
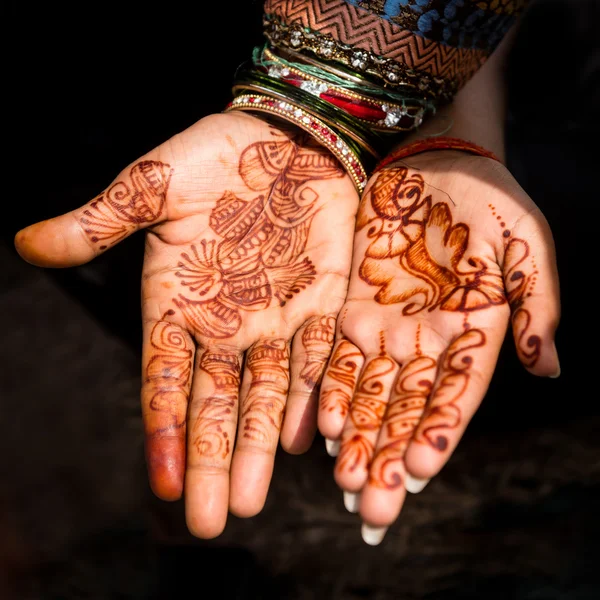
248	245
448	247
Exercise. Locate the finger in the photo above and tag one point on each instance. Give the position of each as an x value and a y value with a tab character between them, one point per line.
213	422
337	388
463	376
168	354
263	396
136	199
531	281
383	495
310	352
361	429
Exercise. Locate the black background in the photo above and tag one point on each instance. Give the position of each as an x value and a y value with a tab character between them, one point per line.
92	87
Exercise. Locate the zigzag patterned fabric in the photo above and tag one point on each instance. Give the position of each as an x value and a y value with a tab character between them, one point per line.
446	39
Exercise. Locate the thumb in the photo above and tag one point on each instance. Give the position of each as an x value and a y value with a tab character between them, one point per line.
136	199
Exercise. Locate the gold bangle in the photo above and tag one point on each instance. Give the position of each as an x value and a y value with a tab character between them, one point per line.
309	123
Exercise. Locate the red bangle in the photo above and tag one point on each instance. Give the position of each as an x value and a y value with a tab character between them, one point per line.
434	143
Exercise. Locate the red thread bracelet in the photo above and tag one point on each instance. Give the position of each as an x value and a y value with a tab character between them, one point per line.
435	143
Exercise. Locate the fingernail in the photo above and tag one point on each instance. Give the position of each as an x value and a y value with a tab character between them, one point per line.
413	484
332	447
351	501
372	535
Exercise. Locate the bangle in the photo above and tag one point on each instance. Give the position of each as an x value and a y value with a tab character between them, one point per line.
309	123
435	143
361	135
379	114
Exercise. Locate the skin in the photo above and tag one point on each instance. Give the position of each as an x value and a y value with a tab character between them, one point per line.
448	251
430	299
249	231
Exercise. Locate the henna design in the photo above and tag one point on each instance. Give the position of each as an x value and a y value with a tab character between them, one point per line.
268	362
442	413
168	372
208	435
366	412
354	452
368	405
257	260
116	213
317	339
404	412
343	368
520	278
412	236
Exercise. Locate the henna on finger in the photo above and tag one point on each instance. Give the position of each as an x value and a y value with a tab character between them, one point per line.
342	376
366	413
168	374
404	412
263	408
126	205
317	340
443	414
210	435
520	277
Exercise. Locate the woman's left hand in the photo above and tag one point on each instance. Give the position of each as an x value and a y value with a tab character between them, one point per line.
447	251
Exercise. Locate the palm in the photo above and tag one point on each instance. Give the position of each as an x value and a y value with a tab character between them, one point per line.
248	246
445	250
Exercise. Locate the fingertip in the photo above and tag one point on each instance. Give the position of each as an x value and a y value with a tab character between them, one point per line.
204	528
246	503
165	459
53	243
423	463
297	437
250	479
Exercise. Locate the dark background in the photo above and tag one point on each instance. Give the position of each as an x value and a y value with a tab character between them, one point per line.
515	512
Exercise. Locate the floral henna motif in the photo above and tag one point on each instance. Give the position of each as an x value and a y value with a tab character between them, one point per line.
404	412
413	236
317	339
442	413
343	369
262	413
116	213
168	373
208	435
257	260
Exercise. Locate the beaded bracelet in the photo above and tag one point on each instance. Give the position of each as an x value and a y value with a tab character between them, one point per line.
379	114
364	138
309	123
434	143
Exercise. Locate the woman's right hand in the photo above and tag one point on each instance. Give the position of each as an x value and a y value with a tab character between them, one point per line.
249	230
